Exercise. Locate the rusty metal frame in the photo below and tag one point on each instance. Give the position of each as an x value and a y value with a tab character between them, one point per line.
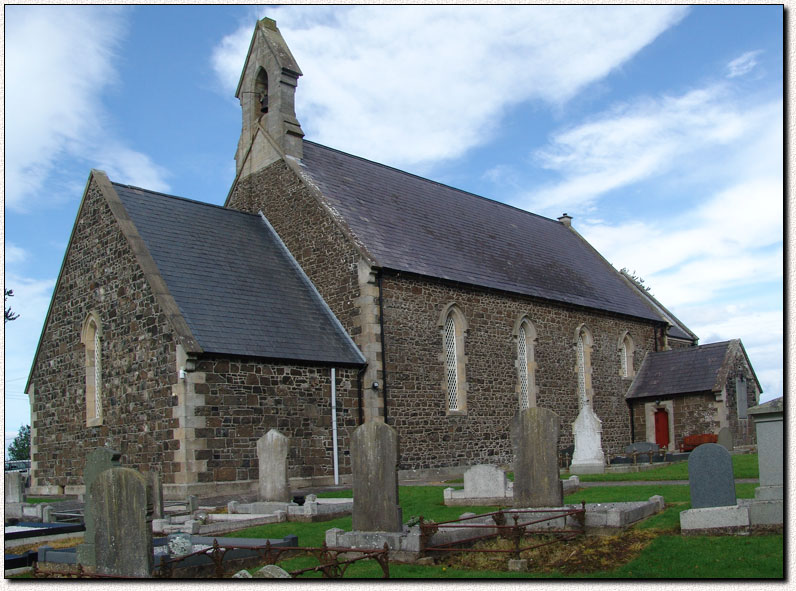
330	567
515	532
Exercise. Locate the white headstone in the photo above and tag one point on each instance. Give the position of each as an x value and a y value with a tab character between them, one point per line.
272	451
15	487
588	457
485	481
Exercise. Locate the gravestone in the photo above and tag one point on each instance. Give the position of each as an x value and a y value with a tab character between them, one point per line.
768	419
14	487
272	451
485	481
710	477
97	461
588	457
534	437
155	488
374	463
272	571
192	503
725	438
641	447
122	527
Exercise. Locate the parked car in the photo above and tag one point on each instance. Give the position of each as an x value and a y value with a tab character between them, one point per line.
22	466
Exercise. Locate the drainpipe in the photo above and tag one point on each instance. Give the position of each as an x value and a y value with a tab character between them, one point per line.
360	374
334	426
383	350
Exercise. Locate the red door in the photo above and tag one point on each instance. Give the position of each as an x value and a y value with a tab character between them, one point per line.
662	427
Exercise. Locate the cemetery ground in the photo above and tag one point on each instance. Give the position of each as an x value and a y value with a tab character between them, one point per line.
653	548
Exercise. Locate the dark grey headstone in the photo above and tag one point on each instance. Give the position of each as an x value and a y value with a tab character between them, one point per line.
122	530
641	447
97	461
534	437
710	477
725	438
374	462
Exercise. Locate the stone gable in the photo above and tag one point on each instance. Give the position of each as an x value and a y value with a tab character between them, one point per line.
100	273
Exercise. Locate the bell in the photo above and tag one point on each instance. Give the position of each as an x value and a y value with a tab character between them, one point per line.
264	103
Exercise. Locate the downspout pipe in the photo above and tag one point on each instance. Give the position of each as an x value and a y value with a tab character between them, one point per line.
360	375
334	427
383	350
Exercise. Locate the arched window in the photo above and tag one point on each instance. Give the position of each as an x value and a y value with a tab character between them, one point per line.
454	328
261	92
92	342
626	350
525	334
583	346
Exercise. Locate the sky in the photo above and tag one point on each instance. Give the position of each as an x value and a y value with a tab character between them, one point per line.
659	129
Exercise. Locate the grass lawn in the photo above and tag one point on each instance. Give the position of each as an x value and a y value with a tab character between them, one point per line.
653	548
743	465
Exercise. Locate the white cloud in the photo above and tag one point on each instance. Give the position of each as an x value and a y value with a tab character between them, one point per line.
645	139
743	64
14	254
379	79
59	60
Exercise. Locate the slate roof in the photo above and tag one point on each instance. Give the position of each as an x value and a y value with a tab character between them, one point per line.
680	371
408	223
236	285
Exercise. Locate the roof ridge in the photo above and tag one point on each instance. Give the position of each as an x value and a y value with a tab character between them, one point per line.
180	198
432	181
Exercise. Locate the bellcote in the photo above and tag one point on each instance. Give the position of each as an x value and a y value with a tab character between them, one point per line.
266	92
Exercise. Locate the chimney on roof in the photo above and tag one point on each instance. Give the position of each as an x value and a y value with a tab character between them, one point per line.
266	91
566	220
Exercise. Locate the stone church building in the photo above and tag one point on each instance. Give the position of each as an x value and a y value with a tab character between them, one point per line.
331	290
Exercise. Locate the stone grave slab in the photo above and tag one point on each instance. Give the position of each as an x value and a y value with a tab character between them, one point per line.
374	461
97	461
710	477
122	528
534	437
272	449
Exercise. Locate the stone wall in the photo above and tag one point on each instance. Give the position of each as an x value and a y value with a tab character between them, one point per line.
100	273
430	437
743	430
309	232
244	399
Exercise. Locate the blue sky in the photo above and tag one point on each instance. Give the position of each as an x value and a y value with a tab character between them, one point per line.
658	128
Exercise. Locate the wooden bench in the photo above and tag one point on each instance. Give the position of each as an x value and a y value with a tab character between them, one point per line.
692	441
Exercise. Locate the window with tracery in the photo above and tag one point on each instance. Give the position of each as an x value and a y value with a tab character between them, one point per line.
526	364
583	351
626	351
453	327
92	341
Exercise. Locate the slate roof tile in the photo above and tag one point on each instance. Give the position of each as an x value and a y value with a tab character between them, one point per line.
679	371
412	224
236	286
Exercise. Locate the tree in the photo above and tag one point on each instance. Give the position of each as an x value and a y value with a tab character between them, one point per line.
9	293
19	449
634	278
